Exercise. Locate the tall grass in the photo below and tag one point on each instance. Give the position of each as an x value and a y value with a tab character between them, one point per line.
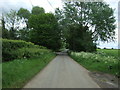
97	62
18	72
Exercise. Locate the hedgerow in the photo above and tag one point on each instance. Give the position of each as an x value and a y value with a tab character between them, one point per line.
13	49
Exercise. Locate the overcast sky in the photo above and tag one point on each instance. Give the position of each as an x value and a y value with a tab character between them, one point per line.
50	5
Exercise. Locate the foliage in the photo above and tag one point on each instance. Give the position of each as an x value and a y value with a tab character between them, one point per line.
12	49
36	10
97	62
24	14
29	52
5	33
12	23
45	30
80	40
16	73
94	20
23	34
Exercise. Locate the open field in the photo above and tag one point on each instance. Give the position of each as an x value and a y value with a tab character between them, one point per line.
109	52
106	61
18	72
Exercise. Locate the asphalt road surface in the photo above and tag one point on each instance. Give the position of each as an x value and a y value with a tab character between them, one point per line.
62	72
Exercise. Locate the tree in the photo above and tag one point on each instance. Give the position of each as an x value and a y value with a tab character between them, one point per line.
79	39
5	33
23	34
86	22
12	23
24	14
45	30
36	10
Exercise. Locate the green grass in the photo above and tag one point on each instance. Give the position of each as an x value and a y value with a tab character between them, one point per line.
109	52
97	61
18	72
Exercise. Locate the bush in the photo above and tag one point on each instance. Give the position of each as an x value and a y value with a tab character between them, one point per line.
29	52
11	49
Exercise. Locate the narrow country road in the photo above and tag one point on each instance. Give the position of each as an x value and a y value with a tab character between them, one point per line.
62	72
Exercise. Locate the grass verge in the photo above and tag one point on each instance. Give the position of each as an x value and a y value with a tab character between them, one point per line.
97	62
18	72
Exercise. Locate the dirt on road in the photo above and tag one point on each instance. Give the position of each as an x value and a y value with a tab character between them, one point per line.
62	72
105	80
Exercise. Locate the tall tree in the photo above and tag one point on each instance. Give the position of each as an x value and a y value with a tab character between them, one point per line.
5	33
24	14
12	23
92	19
36	10
45	30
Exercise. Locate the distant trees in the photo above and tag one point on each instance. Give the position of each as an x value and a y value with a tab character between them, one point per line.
84	23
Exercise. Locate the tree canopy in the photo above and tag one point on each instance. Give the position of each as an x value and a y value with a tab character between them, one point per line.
45	30
23	13
5	33
94	20
78	25
37	10
12	23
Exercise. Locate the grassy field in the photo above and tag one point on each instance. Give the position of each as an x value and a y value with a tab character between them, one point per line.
106	61
18	72
109	52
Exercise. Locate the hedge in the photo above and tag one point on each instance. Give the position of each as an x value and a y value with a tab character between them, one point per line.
12	49
29	52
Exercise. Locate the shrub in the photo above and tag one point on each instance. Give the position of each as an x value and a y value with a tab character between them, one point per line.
29	52
11	49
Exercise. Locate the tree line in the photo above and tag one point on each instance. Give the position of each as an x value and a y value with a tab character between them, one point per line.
77	26
38	27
